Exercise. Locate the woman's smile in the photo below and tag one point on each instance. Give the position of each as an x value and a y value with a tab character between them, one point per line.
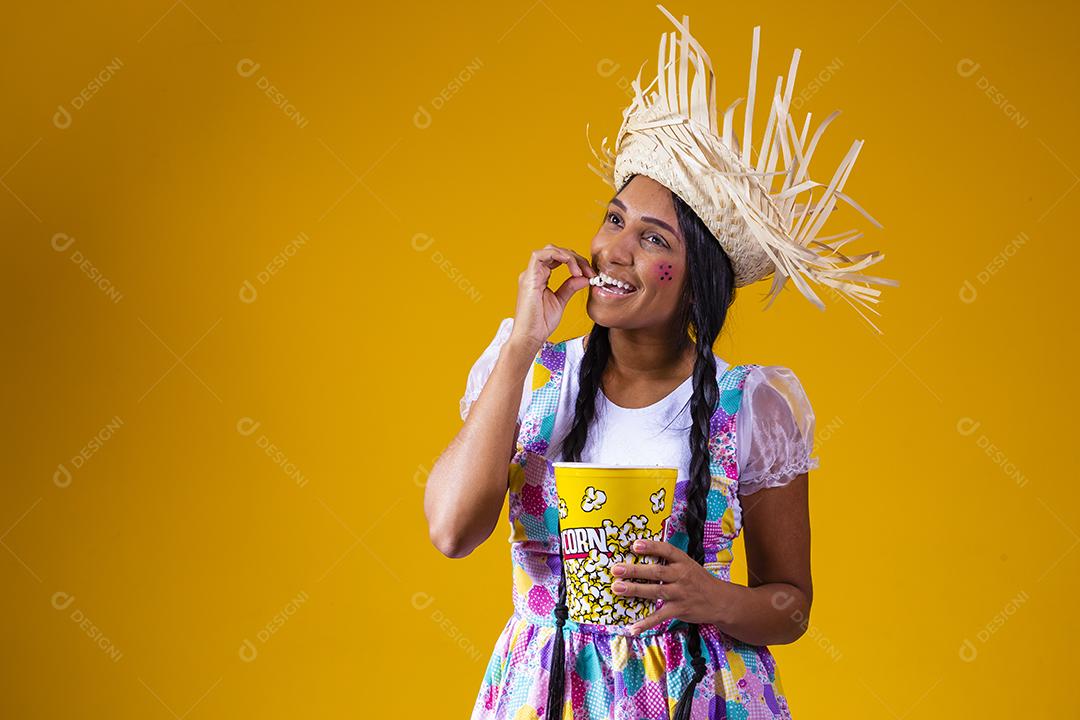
612	293
606	286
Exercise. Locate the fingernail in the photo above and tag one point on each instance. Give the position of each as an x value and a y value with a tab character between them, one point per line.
618	570
618	587
639	545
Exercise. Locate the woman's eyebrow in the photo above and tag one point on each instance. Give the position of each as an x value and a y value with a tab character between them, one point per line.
655	221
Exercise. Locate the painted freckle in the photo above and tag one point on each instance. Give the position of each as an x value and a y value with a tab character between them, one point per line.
665	271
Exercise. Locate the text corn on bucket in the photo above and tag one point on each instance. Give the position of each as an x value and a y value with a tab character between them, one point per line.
603	509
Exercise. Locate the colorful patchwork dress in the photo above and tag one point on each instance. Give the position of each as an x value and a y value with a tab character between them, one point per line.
609	673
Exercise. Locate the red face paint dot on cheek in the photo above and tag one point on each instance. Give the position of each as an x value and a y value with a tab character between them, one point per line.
664	271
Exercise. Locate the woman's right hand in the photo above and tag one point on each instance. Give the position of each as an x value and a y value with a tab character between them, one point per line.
539	310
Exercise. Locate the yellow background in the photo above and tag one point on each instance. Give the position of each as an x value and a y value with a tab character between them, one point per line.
247	540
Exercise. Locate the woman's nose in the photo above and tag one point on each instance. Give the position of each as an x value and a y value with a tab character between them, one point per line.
618	248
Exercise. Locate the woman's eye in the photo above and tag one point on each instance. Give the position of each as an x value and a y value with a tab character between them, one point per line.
660	241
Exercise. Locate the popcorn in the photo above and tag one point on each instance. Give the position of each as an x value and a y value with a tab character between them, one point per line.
593	500
602	511
657	500
588	590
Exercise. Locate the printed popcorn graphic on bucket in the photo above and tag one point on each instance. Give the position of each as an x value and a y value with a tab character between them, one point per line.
603	509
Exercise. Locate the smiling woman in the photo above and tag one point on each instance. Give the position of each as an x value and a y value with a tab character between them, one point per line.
639	256
691	221
640	392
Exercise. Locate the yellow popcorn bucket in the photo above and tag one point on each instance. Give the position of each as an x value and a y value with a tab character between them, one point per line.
603	509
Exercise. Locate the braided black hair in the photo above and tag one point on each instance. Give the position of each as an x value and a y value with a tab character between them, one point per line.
709	292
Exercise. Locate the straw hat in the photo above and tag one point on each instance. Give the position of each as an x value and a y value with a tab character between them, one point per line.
675	135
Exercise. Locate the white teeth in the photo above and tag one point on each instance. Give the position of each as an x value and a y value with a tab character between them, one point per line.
603	278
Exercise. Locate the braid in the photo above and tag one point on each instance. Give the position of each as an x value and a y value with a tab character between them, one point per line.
700	480
592	368
593	364
711	284
557	677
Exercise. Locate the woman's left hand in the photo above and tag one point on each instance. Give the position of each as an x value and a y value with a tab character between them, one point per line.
688	590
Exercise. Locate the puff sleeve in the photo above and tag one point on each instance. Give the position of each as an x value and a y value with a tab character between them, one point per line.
481	371
774	430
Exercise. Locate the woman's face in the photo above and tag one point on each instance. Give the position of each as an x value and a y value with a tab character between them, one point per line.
639	242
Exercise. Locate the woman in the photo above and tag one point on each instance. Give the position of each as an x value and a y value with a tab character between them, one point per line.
639	355
644	387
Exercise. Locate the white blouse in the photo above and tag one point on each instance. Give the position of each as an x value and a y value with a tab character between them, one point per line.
774	426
